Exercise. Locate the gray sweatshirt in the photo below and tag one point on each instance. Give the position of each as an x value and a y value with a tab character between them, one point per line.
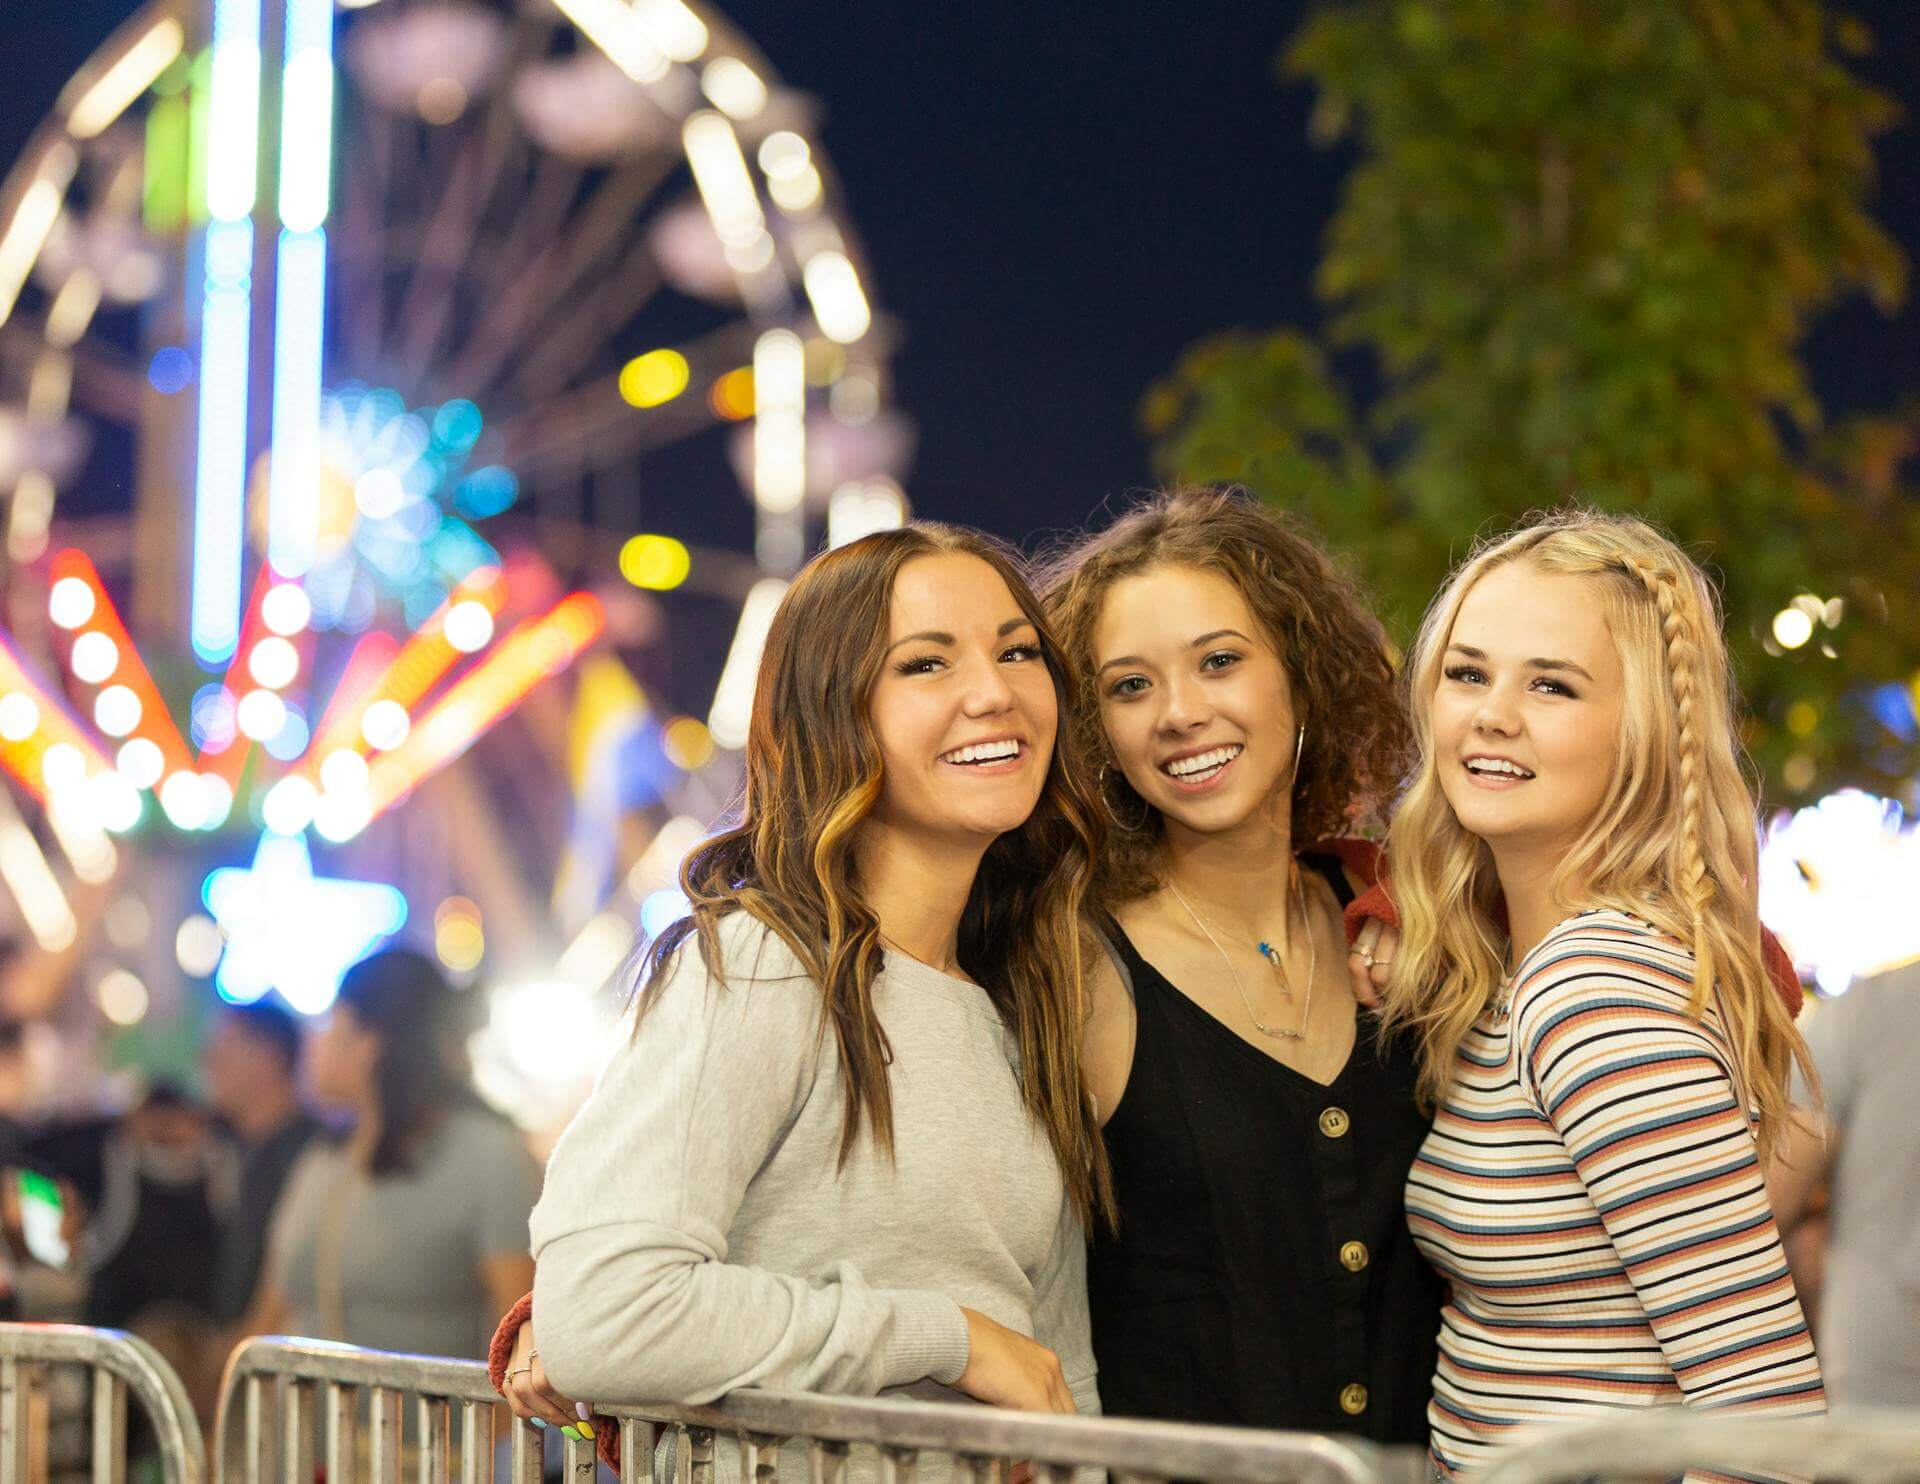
694	1235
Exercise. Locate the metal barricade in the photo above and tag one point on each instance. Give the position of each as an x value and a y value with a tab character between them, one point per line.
122	1365
259	1442
1861	1446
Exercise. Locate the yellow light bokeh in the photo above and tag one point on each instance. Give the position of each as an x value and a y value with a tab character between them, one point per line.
1802	718
732	395
657	563
458	938
687	743
654	378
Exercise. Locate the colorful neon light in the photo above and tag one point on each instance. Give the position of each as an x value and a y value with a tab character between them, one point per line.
154	723
232	162
290	930
536	649
306	163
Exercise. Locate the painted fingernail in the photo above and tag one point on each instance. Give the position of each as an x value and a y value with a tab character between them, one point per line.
539	1422
583	1411
571	1432
586	1428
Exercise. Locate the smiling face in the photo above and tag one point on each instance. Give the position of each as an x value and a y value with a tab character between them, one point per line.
1196	703
1526	713
964	708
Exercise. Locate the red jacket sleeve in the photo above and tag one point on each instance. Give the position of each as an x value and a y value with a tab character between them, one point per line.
500	1351
1377	901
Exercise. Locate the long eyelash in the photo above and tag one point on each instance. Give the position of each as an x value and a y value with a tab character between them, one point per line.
913	666
1459	672
1025	651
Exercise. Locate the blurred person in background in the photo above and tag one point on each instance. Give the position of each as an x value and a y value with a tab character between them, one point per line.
150	1240
252	1066
1864	1154
411	1233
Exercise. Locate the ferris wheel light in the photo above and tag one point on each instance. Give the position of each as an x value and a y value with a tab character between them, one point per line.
183	799
19	716
306	115
293	474
779	429
677	31
286	609
273	662
654	379
385	725
733	697
70	602
26	234
734	88
95	657
125	80
839	304
233	110
140	762
468	625
260	715
621	34
116	710
798	192
720	174
62	766
220	483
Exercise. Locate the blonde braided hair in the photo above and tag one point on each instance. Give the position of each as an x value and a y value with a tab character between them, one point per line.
1677	626
1677	757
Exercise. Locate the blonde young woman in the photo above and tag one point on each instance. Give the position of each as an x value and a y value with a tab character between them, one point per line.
1580	968
872	1008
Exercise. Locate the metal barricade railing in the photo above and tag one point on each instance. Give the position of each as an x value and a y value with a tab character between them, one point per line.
1860	1446
260	1442
121	1366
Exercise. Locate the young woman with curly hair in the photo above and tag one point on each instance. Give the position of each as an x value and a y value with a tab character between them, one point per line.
1581	970
1239	708
875	1004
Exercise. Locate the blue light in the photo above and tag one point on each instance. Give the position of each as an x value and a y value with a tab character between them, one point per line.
293	486
457	425
292	931
233	110
219	504
661	910
170	371
291	740
306	115
486	492
456	551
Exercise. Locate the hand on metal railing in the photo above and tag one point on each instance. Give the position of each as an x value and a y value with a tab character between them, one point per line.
532	1396
1006	1369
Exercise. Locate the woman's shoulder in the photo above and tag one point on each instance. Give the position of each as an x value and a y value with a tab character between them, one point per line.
750	952
1605	954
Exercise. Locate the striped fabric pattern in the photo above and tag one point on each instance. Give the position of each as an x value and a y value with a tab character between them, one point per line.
1591	1191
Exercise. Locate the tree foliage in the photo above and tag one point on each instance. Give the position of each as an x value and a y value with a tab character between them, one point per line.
1575	261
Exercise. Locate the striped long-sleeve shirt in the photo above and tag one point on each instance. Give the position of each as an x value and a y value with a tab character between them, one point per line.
1591	1190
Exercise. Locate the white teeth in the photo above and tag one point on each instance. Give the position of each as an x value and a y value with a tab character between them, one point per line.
983	752
1206	762
1499	766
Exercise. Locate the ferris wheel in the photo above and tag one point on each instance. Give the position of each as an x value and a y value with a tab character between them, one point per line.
344	350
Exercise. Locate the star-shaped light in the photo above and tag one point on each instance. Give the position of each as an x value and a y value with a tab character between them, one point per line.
290	930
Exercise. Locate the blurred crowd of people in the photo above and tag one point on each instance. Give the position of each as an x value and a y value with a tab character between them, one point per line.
341	1181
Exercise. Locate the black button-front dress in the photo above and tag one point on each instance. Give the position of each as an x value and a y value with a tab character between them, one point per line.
1263	1273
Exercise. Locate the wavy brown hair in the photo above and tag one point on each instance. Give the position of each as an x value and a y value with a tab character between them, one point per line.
814	773
1335	651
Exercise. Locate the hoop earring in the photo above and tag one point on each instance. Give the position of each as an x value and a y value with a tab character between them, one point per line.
1106	802
1299	745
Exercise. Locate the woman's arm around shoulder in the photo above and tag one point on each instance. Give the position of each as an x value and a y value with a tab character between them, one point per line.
636	1297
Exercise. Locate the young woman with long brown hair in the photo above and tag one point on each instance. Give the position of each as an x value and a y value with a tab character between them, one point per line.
1240	709
874	1004
1580	967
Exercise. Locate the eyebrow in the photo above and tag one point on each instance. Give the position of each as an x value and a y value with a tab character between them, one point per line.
941	636
1534	664
1206	638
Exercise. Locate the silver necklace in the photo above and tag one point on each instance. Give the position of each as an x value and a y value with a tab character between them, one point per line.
1272	956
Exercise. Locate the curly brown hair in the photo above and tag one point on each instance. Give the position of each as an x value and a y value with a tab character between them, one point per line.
1358	743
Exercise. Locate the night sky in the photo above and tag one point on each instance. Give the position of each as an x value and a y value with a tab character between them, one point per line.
1056	200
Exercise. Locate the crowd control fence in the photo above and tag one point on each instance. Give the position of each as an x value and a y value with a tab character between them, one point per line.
1862	1446
119	1366
756	1436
